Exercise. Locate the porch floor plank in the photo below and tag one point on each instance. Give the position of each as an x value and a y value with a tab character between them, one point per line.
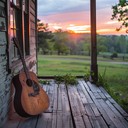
82	106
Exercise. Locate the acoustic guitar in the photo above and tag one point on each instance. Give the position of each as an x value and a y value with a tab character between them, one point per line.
29	99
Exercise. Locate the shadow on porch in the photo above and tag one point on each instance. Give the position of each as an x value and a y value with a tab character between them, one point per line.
81	106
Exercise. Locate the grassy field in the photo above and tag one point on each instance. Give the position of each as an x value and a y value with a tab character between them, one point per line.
78	65
116	73
61	65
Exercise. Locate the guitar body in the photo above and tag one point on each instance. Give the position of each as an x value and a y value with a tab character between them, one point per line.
25	104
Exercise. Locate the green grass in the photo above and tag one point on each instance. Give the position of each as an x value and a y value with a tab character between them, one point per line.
76	65
61	65
116	73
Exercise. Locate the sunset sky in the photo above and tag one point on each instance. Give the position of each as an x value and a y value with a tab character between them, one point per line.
74	15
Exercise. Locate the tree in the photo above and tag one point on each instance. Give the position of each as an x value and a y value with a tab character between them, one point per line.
120	12
44	36
101	44
87	45
61	39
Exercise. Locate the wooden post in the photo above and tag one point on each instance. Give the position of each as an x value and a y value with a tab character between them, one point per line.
94	67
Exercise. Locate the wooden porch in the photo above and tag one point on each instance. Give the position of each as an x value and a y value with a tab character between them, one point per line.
81	106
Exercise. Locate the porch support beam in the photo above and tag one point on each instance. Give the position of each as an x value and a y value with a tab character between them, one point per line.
94	67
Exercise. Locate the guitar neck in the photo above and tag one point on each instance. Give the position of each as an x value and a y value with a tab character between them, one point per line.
25	68
22	58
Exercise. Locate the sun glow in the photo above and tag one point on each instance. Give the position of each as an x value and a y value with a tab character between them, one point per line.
57	27
108	27
79	28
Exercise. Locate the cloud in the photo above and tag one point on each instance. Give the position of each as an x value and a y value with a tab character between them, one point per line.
48	7
103	4
67	18
79	29
111	22
61	13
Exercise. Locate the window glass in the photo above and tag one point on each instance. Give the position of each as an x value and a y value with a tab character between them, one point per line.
16	28
19	24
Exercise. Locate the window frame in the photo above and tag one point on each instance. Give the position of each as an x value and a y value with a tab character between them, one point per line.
22	33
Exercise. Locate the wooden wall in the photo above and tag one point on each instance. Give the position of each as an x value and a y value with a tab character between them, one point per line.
33	27
5	77
8	69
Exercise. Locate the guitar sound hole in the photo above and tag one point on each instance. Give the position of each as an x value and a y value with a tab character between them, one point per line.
33	84
29	82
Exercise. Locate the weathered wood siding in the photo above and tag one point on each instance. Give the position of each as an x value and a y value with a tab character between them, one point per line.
7	71
4	76
5	79
33	15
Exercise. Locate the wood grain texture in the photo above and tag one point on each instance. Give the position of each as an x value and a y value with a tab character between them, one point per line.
81	106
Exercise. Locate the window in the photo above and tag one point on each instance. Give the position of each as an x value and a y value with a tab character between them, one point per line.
15	24
3	29
19	24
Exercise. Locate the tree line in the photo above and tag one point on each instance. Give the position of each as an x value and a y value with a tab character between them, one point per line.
64	42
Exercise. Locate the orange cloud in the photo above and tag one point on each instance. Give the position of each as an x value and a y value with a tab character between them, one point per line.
79	22
112	22
110	31
79	28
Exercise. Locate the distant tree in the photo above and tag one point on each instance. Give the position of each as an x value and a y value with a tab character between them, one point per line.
101	44
123	45
58	30
120	12
44	36
87	45
61	39
87	48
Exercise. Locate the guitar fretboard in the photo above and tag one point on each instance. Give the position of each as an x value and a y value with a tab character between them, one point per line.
16	42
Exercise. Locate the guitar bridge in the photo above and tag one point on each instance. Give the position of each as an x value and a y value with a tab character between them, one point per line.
33	94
